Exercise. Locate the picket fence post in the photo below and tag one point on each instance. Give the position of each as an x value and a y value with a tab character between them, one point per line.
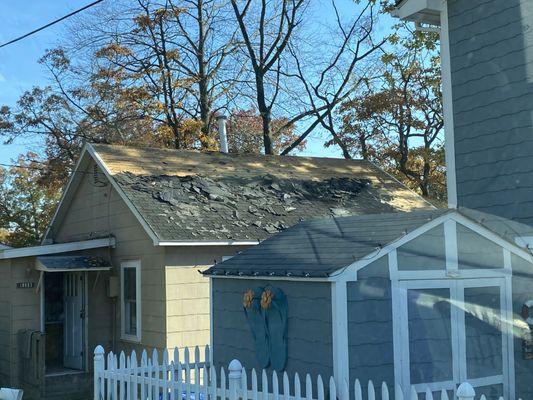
465	391
234	376
99	367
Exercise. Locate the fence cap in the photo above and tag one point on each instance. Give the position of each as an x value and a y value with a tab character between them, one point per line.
99	350
235	366
465	389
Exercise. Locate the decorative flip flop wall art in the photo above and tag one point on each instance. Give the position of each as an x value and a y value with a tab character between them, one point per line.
266	312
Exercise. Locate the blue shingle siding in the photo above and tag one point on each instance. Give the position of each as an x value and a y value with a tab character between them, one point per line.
370	339
491	44
522	284
309	325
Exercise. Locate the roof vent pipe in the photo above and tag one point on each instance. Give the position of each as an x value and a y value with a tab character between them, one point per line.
221	119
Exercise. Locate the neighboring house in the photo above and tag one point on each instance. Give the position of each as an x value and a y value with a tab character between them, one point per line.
424	298
119	262
488	100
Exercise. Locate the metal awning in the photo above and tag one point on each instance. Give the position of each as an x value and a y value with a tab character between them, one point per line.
71	263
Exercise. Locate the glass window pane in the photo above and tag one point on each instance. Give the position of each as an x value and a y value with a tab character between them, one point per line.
130	301
468	245
430	344
426	252
483	332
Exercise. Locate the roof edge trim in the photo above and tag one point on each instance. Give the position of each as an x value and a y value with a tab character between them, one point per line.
57	248
171	243
272	278
96	157
74	176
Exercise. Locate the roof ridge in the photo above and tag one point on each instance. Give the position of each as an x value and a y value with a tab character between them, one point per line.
243	155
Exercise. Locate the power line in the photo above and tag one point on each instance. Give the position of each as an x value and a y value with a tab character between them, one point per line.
51	23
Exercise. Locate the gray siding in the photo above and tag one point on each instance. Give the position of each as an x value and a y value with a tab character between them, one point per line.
491	45
522	284
309	325
370	339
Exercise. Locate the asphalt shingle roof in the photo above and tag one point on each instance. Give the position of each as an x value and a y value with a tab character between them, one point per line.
193	196
320	247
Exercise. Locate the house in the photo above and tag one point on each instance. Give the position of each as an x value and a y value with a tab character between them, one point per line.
118	263
487	75
424	298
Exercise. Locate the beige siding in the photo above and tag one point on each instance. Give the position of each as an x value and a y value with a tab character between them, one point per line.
187	293
25	306
5	321
19	310
97	210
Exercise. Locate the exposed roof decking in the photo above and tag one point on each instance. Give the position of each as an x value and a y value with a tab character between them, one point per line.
193	196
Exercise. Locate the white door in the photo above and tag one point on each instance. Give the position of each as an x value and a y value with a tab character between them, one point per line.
454	333
73	335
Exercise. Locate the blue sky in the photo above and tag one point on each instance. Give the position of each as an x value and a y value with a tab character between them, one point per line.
19	69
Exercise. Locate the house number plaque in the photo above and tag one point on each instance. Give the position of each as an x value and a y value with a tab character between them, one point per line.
25	285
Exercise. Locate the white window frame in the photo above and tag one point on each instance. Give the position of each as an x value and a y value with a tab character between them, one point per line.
137	265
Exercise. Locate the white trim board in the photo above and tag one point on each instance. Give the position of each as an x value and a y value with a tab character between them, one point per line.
74	180
447	104
136	264
349	273
237	242
57	248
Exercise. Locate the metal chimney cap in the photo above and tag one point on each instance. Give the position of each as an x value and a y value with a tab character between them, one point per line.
221	116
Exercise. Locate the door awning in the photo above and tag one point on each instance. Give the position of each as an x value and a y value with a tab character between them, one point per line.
71	263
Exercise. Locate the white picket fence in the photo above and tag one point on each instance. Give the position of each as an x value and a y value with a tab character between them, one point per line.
125	378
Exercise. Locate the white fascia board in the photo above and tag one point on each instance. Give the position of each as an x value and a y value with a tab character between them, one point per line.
419	10
57	248
272	278
208	243
122	195
524	241
493	237
349	273
74	176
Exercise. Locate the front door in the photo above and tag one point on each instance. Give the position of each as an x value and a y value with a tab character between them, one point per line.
454	332
74	330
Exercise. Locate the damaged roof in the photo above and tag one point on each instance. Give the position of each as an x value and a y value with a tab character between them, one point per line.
209	196
320	248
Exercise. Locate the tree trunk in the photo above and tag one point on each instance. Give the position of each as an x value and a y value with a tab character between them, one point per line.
264	111
205	106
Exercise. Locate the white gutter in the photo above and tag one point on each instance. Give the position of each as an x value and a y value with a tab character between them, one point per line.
208	243
57	248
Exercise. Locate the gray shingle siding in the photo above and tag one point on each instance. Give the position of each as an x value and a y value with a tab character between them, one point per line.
491	45
309	325
522	283
370	339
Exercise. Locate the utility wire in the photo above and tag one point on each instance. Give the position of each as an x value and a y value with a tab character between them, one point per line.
51	23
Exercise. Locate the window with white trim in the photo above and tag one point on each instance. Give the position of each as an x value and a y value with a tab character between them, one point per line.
130	300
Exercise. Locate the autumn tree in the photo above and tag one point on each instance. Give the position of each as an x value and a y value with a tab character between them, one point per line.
26	204
396	119
245	129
